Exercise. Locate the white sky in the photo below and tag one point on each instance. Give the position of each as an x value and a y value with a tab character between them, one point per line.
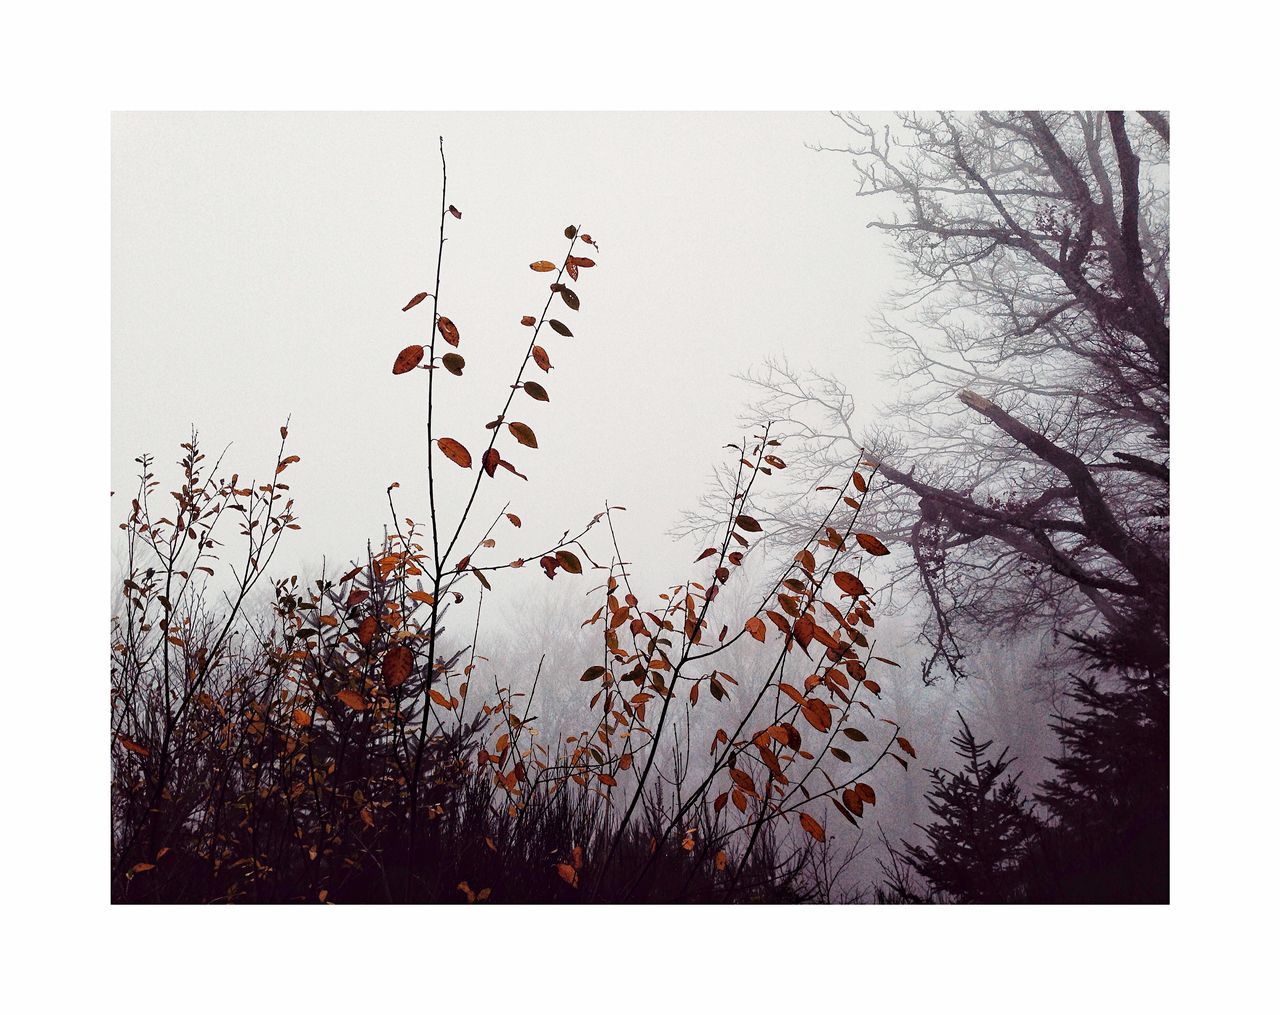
260	261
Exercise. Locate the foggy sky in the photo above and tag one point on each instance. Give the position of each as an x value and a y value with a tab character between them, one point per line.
260	261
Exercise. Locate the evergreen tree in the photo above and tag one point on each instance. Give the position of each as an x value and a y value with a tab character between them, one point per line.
976	847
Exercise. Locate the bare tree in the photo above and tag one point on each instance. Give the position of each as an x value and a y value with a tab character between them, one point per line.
1027	443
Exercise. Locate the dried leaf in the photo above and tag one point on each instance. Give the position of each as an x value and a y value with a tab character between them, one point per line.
415	301
536	391
397	665
560	329
748	524
872	545
569	561
850	583
541	358
410	356
542	266
810	824
352	700
455	452
449	330
570	298
490	462
523	434
755	628
454	363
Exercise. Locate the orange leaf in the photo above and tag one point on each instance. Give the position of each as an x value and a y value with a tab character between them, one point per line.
367	629
352	700
906	746
542	266
527	321
397	664
811	825
129	745
541	358
410	356
569	875
455	452
513	519
415	301
850	583
301	718
522	433
755	628
449	330
872	545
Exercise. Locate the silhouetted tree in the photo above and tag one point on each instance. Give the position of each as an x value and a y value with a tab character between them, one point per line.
976	847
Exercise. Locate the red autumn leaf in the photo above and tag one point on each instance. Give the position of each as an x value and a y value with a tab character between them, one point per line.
397	664
859	482
286	462
352	700
569	875
810	824
410	356
130	745
367	629
513	519
527	321
449	330
541	358
804	628
872	545
570	298
569	561
560	329
850	583
755	628
454	212
522	433
818	714
536	391
415	301
550	565
748	524
455	452
906	746
490	462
